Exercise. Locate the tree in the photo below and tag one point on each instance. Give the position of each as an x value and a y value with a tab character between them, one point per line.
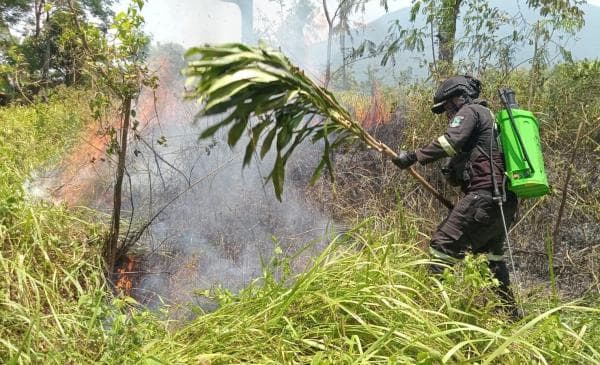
441	17
338	22
344	30
46	54
557	15
447	33
12	11
482	41
119	69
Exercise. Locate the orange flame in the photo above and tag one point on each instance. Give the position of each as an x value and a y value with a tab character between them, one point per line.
125	281
376	114
86	172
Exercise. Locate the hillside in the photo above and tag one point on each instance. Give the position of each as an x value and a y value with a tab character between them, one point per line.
219	205
584	46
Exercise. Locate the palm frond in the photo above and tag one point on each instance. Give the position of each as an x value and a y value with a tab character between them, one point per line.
245	83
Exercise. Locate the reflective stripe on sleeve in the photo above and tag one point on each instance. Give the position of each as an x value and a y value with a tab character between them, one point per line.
446	146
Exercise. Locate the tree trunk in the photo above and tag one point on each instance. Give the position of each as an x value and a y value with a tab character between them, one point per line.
38	9
343	30
536	67
328	64
329	40
343	52
112	246
46	61
247	11
447	35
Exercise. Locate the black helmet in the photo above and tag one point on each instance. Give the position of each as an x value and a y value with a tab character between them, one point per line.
455	86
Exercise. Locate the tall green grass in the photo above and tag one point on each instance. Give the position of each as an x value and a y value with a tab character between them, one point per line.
366	299
48	260
369	299
55	306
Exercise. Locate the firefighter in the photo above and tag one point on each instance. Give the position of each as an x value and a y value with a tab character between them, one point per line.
474	162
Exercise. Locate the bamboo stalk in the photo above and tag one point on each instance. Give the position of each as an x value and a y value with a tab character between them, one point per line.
249	81
387	151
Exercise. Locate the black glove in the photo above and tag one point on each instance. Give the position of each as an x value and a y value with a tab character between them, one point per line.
405	159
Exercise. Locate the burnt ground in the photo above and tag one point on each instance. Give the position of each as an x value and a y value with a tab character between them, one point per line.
367	184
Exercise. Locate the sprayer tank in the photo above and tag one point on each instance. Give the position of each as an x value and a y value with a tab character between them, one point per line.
527	176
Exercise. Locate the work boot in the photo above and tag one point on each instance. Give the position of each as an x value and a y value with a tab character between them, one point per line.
500	271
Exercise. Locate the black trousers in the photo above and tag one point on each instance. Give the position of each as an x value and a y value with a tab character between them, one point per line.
475	225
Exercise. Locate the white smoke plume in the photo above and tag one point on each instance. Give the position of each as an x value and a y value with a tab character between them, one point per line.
225	221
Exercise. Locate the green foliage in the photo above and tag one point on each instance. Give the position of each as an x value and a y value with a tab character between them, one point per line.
50	55
118	67
51	295
55	305
490	34
481	39
55	52
368	299
47	257
12	10
566	11
99	8
573	91
31	136
245	82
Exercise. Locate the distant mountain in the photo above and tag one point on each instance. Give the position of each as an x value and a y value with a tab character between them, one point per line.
585	44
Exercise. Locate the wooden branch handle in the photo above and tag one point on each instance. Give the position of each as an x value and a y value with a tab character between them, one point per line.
430	187
383	148
386	150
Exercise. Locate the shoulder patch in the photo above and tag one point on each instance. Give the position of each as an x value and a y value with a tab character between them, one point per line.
456	121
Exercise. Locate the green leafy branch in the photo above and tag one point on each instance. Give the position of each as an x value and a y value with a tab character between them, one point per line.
244	82
261	91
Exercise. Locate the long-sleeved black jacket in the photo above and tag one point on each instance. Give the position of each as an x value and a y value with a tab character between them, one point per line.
469	132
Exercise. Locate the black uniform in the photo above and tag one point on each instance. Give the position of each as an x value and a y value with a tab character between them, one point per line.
475	224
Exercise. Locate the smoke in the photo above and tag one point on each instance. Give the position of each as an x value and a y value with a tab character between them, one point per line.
293	26
213	224
209	222
192	22
218	223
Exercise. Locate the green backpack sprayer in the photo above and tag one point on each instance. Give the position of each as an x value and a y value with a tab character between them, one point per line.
520	138
523	159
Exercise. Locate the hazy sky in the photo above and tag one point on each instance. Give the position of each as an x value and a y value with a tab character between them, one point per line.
192	22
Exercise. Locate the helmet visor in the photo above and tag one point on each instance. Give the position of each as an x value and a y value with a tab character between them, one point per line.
438	108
